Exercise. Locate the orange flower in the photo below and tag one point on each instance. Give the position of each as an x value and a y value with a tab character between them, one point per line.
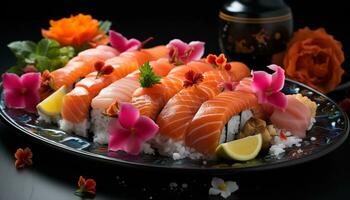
314	58
23	157
76	31
218	61
86	188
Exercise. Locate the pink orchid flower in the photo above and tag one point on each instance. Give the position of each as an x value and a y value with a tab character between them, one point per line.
121	43
268	86
21	92
182	53
130	130
228	86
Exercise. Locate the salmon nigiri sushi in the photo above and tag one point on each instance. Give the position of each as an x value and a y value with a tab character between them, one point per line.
93	83
80	66
179	111
119	91
208	127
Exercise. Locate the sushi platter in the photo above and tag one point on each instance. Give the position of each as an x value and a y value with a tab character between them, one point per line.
167	107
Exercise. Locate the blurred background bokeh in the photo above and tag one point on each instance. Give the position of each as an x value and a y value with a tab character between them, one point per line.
164	20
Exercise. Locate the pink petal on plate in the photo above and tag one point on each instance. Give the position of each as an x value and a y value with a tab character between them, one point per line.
14	99
134	145
121	43
278	99
197	52
31	99
179	45
128	115
261	81
278	78
132	44
31	81
146	128
11	81
118	136
262	98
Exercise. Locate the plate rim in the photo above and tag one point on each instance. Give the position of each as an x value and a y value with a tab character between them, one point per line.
224	170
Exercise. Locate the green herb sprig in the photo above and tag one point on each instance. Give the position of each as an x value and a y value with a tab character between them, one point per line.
147	77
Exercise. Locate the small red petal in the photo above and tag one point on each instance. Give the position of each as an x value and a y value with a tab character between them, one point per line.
28	153
198	77
28	162
211	59
19	164
221	60
189	75
99	65
81	182
187	83
90	185
106	70
227	67
283	136
19	154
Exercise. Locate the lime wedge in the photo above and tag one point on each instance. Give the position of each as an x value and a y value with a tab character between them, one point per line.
242	149
52	105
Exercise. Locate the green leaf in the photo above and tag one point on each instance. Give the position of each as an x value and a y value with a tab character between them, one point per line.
147	77
45	45
22	49
16	70
67	51
47	54
105	26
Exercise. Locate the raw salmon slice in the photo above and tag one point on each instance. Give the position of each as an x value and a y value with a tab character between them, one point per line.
205	128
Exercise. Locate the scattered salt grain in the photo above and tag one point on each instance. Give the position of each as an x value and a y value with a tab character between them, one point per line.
147	149
280	144
312	138
204	162
176	156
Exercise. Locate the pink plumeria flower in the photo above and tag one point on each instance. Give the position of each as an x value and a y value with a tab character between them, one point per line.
121	43
268	87
129	131
228	86
182	53
224	188
21	92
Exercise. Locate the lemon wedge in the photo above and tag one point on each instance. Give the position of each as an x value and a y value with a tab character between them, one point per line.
242	149
51	106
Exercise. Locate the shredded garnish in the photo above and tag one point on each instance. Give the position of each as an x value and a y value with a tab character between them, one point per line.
147	77
112	110
45	89
192	78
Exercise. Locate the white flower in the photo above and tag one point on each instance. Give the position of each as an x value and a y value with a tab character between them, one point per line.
225	188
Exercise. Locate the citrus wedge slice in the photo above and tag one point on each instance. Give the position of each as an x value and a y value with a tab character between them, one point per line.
242	149
51	106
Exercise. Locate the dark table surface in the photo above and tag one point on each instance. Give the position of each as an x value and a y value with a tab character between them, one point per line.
54	174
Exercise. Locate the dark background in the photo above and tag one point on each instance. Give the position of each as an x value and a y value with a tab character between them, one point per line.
166	19
54	174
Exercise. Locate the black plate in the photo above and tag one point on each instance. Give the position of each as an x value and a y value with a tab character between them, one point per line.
330	130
